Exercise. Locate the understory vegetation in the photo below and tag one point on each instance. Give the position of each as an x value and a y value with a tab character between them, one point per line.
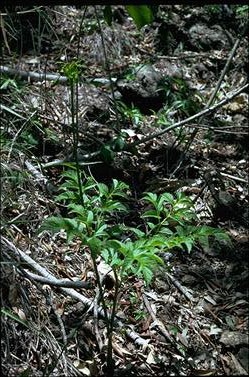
124	202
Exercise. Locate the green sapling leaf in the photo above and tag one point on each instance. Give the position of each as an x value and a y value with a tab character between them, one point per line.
107	153
108	14
141	14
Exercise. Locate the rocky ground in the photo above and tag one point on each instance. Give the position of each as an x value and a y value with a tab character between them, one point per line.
193	318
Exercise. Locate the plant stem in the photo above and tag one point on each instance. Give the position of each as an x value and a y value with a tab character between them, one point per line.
101	293
75	128
109	359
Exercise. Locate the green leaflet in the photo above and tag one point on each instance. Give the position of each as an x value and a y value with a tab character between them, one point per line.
141	14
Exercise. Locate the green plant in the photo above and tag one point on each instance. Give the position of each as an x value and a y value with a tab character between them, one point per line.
132	114
139	314
128	251
213	9
173	217
133	298
28	139
7	84
135	309
141	14
179	97
242	11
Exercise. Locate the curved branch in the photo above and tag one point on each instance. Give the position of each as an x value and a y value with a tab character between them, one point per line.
66	283
69	291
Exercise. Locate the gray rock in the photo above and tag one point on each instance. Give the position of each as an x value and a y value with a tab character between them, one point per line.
143	90
233	338
243	356
204	38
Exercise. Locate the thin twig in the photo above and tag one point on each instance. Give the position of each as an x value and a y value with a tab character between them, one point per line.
82	161
4	33
234	178
156	321
178	285
35	9
96	326
50	300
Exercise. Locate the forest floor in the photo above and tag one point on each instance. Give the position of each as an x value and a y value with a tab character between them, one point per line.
192	319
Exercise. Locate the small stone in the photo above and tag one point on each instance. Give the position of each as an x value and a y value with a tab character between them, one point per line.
233	338
243	356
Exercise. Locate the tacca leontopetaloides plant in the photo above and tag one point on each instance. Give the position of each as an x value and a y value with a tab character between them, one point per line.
92	212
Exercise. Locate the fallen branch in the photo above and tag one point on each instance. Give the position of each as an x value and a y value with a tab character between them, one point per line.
37	76
202	113
234	178
180	287
9	246
66	283
82	160
39	177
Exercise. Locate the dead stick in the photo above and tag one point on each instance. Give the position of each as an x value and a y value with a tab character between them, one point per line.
180	287
36	76
202	113
156	321
66	283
